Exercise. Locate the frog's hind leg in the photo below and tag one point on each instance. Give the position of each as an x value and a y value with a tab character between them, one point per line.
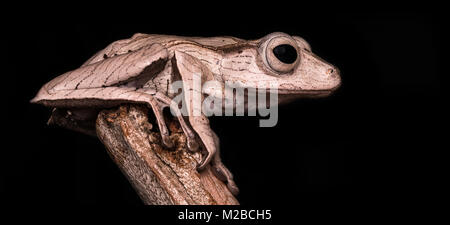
103	98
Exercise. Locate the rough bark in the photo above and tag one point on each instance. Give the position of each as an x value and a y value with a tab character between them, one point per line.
160	176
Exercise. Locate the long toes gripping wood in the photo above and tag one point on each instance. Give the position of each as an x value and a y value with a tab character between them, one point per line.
192	143
221	171
201	125
225	175
158	110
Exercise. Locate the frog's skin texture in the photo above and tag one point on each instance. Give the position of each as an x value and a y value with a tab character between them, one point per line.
140	69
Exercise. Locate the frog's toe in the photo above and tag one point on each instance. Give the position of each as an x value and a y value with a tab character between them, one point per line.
206	160
191	139
166	141
223	174
164	131
192	144
232	187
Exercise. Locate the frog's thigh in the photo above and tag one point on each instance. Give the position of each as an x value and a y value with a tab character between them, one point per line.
96	96
108	97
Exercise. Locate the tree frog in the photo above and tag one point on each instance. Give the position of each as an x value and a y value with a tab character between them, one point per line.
140	70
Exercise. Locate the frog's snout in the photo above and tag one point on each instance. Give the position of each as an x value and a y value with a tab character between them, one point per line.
334	77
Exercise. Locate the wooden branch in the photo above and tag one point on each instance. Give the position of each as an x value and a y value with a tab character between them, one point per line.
159	176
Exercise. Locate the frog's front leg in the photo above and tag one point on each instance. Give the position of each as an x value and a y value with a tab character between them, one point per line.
212	142
158	110
191	70
192	143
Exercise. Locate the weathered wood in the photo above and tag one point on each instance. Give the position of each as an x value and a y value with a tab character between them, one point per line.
159	176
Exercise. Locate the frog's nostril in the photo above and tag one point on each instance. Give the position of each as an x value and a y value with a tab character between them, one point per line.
331	72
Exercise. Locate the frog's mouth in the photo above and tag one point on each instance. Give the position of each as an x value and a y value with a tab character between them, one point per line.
299	93
305	93
284	98
294	94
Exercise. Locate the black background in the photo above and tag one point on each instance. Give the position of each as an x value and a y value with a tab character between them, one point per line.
374	143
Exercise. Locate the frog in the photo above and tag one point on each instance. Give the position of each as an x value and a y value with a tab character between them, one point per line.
140	69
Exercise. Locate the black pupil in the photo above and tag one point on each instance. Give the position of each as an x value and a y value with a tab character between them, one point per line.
285	53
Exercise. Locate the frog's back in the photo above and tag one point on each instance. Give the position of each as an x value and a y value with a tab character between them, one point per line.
170	42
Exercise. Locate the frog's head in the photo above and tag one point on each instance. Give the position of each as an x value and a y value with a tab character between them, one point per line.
283	62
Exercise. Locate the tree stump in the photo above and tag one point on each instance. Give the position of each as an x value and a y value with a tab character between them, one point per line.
160	176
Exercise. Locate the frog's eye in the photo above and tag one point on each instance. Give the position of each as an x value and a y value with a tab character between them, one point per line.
285	53
281	54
